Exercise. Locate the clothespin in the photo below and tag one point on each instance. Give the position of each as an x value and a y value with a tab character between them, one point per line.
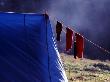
46	14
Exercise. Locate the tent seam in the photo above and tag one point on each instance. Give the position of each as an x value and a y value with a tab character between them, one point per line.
47	48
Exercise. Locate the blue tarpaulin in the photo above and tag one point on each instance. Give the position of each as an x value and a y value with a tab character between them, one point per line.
28	51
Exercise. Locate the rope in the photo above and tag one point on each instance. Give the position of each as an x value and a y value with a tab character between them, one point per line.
96	45
103	49
64	31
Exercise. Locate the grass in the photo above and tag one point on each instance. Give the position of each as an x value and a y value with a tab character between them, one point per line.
86	70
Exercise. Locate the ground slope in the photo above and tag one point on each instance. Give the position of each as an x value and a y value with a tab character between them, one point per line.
86	70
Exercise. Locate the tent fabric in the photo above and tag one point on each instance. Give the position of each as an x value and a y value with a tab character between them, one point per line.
69	39
28	51
79	45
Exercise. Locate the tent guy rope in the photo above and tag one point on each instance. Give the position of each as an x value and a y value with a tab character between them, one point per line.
96	45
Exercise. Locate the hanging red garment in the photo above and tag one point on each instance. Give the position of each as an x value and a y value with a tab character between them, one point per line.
79	45
58	30
69	39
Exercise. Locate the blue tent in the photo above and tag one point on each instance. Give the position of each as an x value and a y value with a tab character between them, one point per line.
28	51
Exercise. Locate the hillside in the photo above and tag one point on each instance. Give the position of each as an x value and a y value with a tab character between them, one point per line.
86	70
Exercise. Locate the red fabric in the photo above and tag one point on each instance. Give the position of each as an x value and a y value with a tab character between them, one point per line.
79	45
69	39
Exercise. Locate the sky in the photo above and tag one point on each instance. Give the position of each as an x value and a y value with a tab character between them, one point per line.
91	18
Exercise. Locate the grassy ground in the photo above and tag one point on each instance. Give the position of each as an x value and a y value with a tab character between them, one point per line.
86	70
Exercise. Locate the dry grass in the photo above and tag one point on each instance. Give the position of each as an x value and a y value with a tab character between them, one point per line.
86	70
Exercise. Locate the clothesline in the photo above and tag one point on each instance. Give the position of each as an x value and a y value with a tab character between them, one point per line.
103	49
96	45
